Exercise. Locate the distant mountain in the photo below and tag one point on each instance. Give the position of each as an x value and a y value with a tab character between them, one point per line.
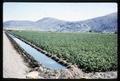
49	24
107	23
18	24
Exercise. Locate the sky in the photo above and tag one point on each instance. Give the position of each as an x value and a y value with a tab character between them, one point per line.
63	11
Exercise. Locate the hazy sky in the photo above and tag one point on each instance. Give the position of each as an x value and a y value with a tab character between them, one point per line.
64	11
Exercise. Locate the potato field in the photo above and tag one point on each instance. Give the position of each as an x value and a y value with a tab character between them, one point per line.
90	51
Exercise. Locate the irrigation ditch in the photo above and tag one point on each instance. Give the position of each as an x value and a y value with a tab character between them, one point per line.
71	71
35	66
54	57
27	58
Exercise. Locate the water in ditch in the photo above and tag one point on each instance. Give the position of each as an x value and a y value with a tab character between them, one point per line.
40	57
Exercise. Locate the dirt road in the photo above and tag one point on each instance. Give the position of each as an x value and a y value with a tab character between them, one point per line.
13	64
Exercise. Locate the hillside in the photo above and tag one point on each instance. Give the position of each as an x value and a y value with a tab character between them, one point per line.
107	23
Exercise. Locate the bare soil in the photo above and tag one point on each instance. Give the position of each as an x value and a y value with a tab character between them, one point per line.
13	64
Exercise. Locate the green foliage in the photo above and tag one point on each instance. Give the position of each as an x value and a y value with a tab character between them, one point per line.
91	51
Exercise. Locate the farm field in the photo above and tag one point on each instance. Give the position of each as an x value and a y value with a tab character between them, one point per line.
90	51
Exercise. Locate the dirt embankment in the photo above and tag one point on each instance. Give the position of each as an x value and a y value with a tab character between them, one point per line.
13	64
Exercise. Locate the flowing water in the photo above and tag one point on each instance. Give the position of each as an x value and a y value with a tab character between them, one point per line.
37	55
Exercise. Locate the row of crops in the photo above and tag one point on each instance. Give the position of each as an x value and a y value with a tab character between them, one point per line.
90	51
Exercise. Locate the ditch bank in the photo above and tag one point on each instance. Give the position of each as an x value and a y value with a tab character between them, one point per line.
72	71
